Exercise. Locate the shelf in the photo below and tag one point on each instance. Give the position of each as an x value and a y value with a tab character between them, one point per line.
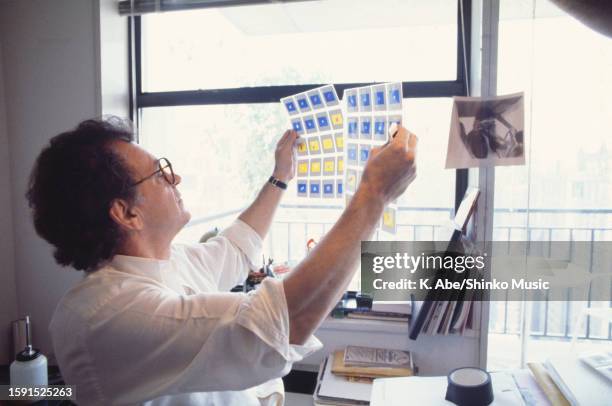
364	325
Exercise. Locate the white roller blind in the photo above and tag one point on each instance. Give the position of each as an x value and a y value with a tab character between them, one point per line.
138	7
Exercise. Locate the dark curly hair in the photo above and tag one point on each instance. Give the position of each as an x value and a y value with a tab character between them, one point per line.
73	183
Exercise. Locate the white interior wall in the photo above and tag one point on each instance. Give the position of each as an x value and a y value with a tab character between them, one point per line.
112	57
51	58
8	301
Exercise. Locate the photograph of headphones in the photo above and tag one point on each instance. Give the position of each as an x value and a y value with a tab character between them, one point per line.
484	137
486	131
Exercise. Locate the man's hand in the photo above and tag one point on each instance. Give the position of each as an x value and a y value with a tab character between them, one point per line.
391	167
285	157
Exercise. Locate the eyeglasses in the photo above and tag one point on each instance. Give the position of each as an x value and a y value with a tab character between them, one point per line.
165	167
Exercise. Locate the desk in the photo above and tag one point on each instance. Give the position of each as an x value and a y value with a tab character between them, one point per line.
510	388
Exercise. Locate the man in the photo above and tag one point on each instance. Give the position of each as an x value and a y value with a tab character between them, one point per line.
153	322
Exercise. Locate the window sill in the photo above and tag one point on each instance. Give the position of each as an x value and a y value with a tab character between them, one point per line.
361	325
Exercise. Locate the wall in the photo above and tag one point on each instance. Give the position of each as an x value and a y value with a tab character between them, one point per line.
52	70
8	308
112	82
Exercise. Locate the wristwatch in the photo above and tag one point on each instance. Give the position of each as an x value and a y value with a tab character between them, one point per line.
277	183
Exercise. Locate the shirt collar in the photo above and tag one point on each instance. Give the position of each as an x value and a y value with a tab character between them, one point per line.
148	267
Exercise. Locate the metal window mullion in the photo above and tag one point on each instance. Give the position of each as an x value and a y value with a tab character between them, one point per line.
568	306
589	301
131	69
506	293
272	94
138	56
483	75
547	295
464	26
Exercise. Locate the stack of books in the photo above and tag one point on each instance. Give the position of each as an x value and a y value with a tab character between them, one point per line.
346	376
367	363
571	380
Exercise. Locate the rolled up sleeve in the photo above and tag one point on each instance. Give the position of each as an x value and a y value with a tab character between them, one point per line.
164	344
266	315
245	239
255	343
228	257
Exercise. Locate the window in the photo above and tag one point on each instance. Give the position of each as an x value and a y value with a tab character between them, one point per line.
563	193
334	41
208	84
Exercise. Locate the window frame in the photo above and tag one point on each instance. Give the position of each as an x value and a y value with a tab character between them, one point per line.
272	94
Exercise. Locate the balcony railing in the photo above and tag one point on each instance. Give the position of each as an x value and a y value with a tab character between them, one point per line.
296	224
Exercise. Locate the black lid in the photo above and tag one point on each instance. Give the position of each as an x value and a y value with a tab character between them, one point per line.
479	394
27	355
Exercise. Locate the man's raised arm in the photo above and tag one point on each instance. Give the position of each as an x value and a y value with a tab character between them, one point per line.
260	213
316	284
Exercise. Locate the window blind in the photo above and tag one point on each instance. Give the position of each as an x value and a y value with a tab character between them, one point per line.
139	7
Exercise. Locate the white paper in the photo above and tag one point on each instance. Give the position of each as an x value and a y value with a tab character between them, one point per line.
529	388
339	387
578	382
431	391
370	110
317	118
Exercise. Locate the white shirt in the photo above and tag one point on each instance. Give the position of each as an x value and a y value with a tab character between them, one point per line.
168	332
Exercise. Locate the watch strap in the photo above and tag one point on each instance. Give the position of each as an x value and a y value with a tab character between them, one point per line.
278	183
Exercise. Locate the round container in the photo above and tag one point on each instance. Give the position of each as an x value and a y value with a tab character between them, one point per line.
29	368
469	387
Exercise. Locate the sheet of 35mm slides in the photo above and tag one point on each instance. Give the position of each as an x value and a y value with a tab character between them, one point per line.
336	137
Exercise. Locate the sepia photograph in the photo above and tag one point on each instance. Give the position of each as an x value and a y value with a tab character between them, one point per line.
486	132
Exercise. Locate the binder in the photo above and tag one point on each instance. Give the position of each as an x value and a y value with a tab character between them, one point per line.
462	217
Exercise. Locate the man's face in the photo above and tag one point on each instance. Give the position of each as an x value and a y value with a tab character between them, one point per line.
158	201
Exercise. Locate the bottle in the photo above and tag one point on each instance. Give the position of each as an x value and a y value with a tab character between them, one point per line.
30	365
